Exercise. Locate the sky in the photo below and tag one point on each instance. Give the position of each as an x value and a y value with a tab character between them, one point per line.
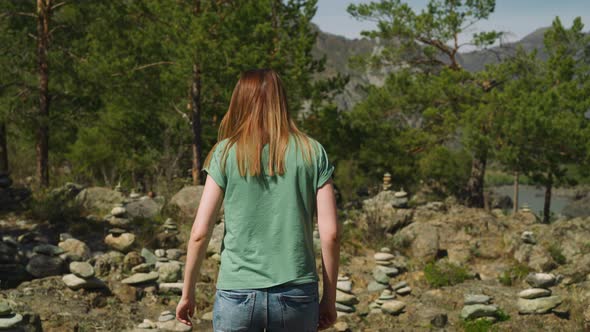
517	17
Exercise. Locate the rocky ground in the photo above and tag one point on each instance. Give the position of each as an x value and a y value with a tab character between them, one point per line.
405	266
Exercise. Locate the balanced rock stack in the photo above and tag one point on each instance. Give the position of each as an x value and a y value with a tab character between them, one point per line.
12	262
168	238
385	270
345	299
386	303
479	307
119	237
166	322
539	298
400	200
9	320
82	276
46	261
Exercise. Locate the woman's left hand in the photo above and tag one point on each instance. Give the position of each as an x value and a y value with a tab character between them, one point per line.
185	310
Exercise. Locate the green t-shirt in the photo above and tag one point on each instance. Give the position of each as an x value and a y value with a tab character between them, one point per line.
268	237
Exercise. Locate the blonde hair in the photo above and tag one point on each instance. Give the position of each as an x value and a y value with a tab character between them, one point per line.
257	115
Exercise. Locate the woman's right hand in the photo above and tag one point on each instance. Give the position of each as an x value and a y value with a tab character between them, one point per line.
327	314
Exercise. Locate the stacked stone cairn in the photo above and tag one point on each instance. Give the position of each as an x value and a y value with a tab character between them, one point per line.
120	238
539	298
345	299
166	322
45	261
479	307
400	199
9	320
82	276
383	273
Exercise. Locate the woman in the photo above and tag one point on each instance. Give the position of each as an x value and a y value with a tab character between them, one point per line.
272	179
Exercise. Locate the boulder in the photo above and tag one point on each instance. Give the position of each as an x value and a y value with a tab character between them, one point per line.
187	200
169	272
82	269
420	239
216	239
123	242
145	207
41	266
99	198
125	293
132	259
75	249
380	211
393	307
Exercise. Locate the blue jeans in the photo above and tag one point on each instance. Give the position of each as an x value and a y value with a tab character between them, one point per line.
281	308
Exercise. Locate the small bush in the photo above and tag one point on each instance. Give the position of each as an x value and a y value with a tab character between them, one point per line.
445	274
516	273
56	209
557	254
483	325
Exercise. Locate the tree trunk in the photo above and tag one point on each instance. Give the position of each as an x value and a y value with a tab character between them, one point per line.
475	195
42	135
196	112
3	150
516	183
547	205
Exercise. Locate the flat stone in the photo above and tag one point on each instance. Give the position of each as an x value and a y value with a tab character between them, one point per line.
170	287
10	321
385	249
533	293
174	254
82	269
474	311
383	256
345	286
375	305
404	291
118	211
528	237
382	274
119	222
476	299
143	268
160	253
385	297
383	263
174	325
139	278
166	317
541	280
75	282
399	285
539	305
48	249
117	231
344	308
341	327
343	277
376	286
393	307
345	298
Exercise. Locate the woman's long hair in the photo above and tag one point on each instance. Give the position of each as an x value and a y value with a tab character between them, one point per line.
257	115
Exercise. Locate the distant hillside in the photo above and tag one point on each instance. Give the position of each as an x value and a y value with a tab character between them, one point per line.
339	49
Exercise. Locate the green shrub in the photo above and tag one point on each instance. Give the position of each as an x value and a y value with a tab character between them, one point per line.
557	254
44	205
445	274
516	273
483	325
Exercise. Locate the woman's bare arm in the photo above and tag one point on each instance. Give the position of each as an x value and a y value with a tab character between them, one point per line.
201	234
329	230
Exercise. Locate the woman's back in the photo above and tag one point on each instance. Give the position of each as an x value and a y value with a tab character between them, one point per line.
269	219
